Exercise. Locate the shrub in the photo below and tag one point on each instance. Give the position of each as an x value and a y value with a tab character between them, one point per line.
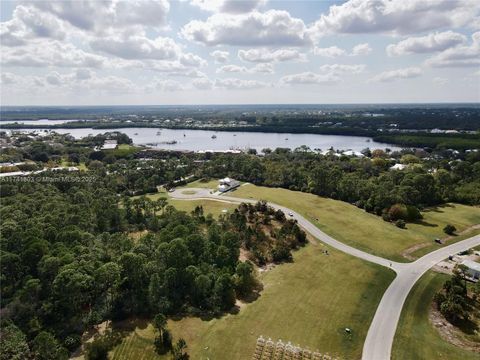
449	229
400	224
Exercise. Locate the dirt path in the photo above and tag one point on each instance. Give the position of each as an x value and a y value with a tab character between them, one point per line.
450	333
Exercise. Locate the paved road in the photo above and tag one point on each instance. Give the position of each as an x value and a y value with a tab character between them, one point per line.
379	341
378	344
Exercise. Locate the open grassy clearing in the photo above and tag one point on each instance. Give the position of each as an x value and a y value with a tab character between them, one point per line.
431	247
307	302
205	184
215	208
416	338
362	230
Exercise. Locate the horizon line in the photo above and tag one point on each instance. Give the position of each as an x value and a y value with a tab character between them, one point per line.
254	104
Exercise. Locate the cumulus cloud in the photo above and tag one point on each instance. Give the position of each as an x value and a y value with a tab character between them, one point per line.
265	68
434	42
331	52
361	49
309	78
459	56
272	28
266	55
228	6
392	75
232	69
51	53
341	68
259	68
137	47
108	15
28	23
396	16
202	84
233	83
220	56
83	74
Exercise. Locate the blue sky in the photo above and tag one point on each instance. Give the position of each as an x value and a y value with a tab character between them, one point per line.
226	51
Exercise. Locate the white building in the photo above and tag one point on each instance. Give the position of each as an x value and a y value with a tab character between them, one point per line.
473	268
109	145
227	184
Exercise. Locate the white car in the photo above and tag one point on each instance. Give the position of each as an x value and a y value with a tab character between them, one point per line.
290	214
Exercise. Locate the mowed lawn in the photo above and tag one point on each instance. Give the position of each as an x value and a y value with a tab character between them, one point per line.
216	208
309	302
416	338
365	231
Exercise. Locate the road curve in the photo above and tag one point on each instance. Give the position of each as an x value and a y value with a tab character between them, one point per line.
204	194
379	341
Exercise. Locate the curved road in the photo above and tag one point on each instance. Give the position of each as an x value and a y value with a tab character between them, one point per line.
378	344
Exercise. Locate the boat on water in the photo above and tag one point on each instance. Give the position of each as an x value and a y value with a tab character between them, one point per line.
214	136
135	134
286	138
158	132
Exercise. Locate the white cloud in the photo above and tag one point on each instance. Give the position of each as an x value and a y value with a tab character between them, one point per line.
8	78
192	60
107	15
83	74
220	56
265	68
232	83
459	56
266	55
202	84
272	28
137	47
440	81
232	69
433	42
228	6
361	49
309	78
54	78
341	68
331	52
259	68
50	53
396	16
28	23
168	85
398	74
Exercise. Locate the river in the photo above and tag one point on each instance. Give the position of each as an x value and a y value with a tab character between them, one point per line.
197	140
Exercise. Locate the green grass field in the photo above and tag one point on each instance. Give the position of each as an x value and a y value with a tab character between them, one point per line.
362	230
416	338
215	208
205	184
308	302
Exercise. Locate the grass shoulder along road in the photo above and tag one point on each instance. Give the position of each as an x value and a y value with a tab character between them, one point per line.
309	302
416	338
368	232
